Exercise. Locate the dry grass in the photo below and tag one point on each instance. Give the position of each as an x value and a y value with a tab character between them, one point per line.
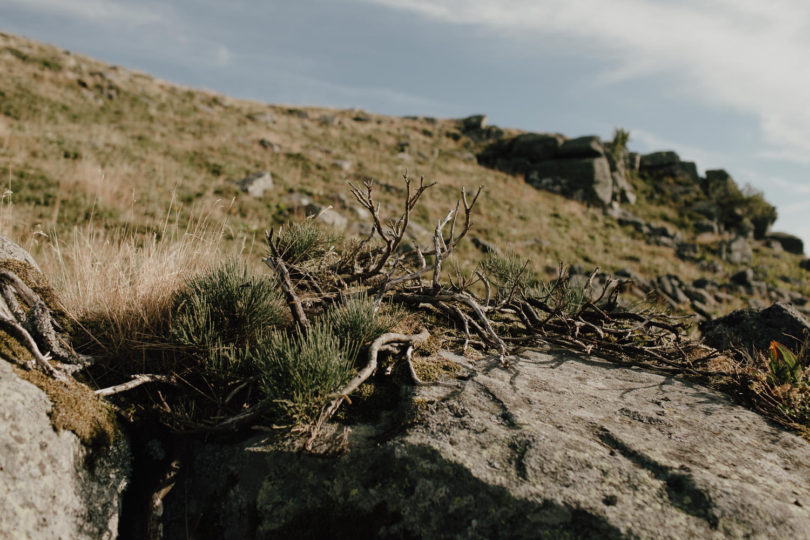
119	284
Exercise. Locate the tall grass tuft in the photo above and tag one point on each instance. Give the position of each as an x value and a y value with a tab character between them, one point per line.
305	240
298	372
357	323
220	315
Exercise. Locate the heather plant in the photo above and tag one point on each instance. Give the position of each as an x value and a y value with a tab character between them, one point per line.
299	371
220	315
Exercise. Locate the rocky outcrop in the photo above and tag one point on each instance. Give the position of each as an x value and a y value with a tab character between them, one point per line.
558	445
579	168
755	329
789	242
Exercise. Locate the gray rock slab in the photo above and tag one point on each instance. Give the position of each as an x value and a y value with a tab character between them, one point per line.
50	485
558	445
256	184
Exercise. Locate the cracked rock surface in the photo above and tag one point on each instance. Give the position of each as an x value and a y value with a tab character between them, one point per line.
556	446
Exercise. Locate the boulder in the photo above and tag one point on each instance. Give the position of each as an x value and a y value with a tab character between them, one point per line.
804	264
53	486
743	277
535	147
328	216
622	190
738	251
589	179
558	446
476	122
267	144
668	163
719	182
11	250
632	161
659	159
589	146
256	184
64	462
755	329
789	242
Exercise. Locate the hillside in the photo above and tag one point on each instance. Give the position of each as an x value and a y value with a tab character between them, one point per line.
82	142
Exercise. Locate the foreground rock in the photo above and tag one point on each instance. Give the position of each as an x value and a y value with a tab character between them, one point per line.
52	485
558	444
63	462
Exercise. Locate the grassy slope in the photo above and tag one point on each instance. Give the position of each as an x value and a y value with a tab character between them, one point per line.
84	143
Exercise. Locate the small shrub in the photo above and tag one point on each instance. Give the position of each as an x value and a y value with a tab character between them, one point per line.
298	372
304	241
221	314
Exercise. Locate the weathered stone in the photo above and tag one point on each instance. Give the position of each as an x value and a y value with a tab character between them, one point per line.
267	144
622	190
476	122
738	251
719	182
671	286
687	250
705	226
659	159
11	250
743	277
557	446
789	242
632	161
52	485
535	147
589	146
804	264
589	177
328	216
256	184
749	328
343	164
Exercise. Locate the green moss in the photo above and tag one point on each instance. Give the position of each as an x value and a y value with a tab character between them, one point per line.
76	408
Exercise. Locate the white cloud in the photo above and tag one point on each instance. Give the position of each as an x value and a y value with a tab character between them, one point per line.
746	55
106	11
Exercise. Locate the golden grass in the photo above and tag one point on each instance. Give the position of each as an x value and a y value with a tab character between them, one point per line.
120	282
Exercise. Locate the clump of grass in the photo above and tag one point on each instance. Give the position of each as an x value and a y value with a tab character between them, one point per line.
119	284
304	241
357	323
220	314
298	372
508	271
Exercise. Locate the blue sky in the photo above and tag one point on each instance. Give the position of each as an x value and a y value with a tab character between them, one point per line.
726	83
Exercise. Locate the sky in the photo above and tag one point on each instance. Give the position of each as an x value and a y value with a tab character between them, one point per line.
725	83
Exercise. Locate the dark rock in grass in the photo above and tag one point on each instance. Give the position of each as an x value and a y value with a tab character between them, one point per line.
805	264
789	242
755	329
558	446
743	277
256	184
589	146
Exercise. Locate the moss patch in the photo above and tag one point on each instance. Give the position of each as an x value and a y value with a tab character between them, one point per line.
76	408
